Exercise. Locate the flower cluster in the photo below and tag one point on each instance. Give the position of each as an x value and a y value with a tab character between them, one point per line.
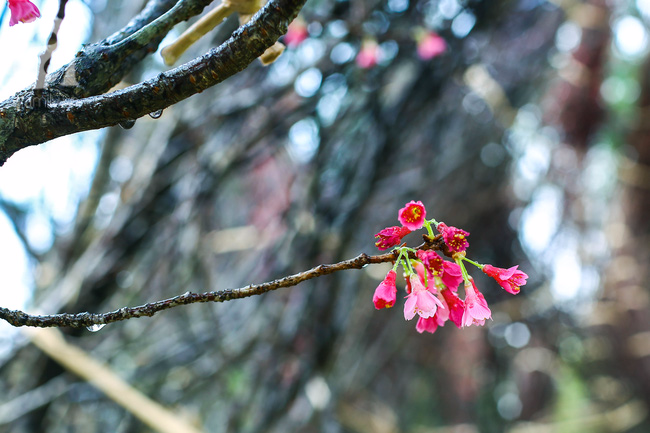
22	11
432	282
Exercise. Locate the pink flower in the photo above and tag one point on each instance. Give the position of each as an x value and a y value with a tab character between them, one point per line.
412	215
452	276
422	272
391	236
442	314
386	293
296	33
22	11
510	279
456	306
476	308
455	238
429	324
420	300
368	55
430	45
431	260
449	272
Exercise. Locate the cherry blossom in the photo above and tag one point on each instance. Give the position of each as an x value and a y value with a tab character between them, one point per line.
476	308
432	280
429	324
22	11
368	56
430	45
296	33
456	307
412	215
420	301
510	279
449	272
386	293
390	237
455	238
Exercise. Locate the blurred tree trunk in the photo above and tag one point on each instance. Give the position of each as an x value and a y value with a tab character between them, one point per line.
612	359
624	316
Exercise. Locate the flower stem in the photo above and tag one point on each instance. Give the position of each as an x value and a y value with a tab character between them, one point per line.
427	224
478	265
459	262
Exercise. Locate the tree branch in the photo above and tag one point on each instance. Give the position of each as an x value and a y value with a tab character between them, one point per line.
23	125
81	320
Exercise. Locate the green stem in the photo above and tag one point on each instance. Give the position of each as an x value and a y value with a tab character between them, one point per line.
427	224
459	262
399	258
408	263
478	265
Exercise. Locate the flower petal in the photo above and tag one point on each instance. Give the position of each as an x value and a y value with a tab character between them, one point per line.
409	307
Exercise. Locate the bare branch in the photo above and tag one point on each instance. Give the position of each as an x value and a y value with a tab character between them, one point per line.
81	320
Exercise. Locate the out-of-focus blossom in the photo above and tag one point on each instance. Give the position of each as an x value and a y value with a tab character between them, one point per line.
296	33
430	45
22	11
369	53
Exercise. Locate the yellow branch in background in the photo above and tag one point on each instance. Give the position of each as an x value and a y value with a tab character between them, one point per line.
245	8
77	361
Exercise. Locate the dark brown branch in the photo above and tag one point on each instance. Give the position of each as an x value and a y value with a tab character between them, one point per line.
34	126
81	320
99	66
19	318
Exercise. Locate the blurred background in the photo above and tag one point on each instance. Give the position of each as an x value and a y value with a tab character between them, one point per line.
524	122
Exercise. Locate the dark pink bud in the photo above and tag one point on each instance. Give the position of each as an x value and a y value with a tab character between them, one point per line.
386	293
390	237
510	279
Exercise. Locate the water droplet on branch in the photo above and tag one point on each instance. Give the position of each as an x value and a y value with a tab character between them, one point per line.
127	124
96	327
156	114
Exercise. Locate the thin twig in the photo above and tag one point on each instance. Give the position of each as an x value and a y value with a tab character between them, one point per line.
46	56
80	320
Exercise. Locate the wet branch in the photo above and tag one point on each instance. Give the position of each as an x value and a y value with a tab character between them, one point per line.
23	125
19	318
81	320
